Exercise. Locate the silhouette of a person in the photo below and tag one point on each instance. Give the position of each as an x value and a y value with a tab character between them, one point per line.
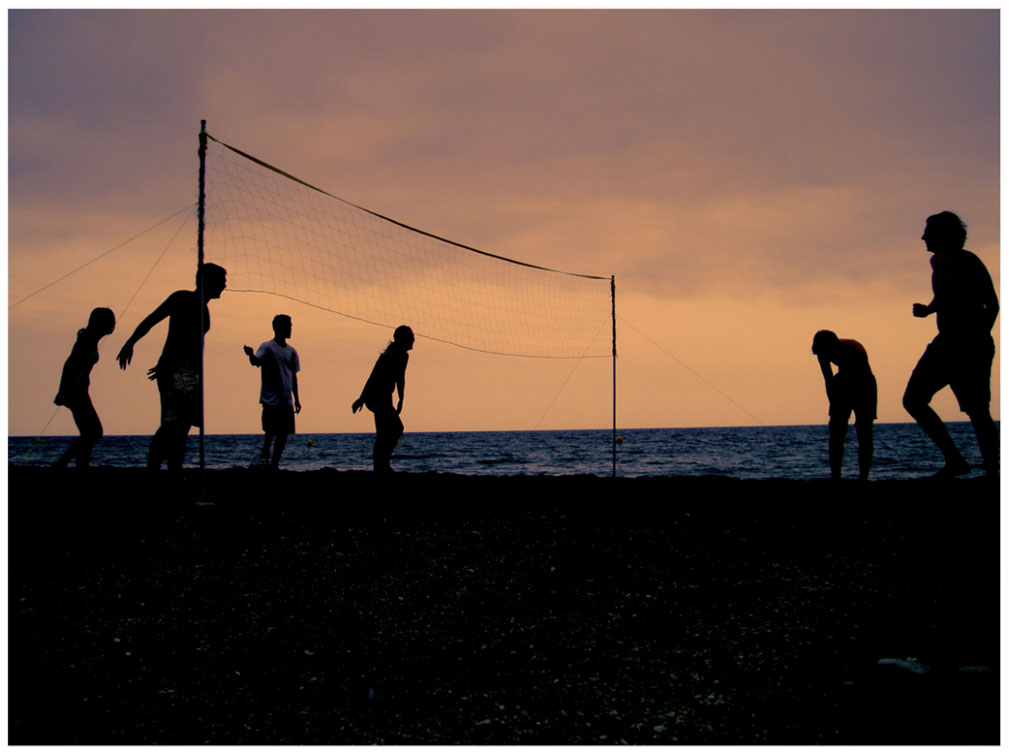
74	384
961	355
388	373
852	390
279	366
177	372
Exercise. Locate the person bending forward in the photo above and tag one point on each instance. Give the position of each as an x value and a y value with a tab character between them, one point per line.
388	373
852	390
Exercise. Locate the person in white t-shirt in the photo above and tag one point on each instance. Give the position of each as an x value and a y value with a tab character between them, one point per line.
279	368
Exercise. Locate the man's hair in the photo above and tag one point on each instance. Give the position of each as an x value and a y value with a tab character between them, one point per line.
280	318
211	271
949	226
823	341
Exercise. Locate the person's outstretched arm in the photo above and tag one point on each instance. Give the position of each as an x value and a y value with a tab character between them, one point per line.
125	355
925	310
252	356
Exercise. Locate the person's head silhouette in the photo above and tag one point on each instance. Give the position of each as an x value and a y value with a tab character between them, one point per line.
403	337
213	279
102	321
825	343
282	326
944	231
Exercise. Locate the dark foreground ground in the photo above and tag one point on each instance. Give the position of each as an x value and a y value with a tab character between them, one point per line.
332	608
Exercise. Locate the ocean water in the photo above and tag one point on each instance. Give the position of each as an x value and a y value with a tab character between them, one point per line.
902	451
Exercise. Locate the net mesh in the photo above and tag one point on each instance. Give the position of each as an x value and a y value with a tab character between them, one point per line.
275	234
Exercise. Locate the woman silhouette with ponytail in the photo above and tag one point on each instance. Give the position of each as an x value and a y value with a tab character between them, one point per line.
74	383
388	373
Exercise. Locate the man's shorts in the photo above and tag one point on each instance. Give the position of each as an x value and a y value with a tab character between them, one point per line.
279	420
179	389
854	394
962	363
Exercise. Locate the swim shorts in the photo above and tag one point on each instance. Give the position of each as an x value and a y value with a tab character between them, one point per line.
279	420
962	363
179	389
854	394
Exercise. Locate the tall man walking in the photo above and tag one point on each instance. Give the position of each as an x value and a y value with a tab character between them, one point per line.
961	355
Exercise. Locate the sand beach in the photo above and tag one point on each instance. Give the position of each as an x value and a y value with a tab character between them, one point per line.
334	607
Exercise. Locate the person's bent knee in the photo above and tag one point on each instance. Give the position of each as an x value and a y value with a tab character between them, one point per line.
914	401
978	414
838	428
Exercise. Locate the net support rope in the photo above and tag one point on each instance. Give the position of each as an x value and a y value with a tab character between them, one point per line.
122	312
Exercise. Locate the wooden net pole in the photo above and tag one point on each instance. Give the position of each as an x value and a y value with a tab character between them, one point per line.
202	152
614	385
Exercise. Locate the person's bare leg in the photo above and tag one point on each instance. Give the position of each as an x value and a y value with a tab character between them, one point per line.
836	444
865	440
279	444
176	450
919	408
156	452
986	436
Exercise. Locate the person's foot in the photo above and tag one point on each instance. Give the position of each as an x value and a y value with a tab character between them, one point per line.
952	469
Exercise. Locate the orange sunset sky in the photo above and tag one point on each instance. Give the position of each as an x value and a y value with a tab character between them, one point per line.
749	177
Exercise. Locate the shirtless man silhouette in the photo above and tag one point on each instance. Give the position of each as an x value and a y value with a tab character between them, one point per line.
852	389
177	372
961	355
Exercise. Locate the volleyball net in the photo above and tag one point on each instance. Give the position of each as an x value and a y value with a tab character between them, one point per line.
277	234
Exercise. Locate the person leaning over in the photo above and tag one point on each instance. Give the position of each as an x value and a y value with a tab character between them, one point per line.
388	372
177	372
851	390
74	383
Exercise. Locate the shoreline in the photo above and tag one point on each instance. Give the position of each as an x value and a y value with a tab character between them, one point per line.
767	453
327	607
